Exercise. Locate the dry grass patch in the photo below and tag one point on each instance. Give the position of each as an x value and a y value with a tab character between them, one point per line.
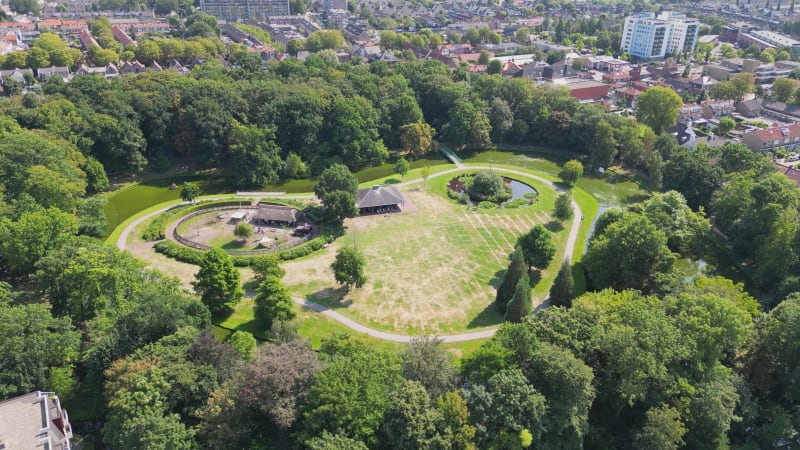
430	271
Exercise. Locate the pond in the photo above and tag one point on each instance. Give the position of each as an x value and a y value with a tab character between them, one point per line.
519	189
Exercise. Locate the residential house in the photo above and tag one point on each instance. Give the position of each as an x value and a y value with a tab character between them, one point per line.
107	71
702	84
684	134
17	75
47	72
750	108
122	36
511	69
621	78
766	140
87	39
714	109
132	67
780	111
689	112
791	172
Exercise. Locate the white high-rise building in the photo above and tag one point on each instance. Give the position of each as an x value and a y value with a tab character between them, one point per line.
647	36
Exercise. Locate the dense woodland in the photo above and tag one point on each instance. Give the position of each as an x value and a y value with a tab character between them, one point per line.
646	359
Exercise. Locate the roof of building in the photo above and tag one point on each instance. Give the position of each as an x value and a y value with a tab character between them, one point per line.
276	213
32	419
791	172
377	196
775	133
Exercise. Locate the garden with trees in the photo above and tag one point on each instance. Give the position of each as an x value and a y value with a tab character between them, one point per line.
632	352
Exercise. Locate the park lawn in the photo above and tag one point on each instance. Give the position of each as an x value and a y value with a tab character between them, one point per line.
613	188
430	271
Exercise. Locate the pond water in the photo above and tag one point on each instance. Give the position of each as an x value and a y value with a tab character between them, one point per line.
519	189
600	210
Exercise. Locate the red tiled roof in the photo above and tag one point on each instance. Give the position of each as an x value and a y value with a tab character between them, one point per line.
616	76
775	133
790	172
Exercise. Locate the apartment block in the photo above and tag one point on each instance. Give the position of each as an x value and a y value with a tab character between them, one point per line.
242	10
647	36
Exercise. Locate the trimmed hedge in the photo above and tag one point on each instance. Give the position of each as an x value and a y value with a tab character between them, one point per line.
193	256
157	229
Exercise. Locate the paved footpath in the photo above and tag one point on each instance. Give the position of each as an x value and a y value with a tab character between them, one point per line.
357	327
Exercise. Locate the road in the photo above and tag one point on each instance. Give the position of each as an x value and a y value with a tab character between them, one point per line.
357	327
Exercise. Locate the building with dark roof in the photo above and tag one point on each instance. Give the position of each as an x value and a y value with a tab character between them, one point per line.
378	198
276	215
34	420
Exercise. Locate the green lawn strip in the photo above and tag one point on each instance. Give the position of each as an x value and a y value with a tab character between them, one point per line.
412	174
114	235
112	238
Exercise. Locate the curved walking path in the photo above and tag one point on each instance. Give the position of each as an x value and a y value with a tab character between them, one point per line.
355	326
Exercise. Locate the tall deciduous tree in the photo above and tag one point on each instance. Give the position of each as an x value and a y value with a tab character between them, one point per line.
275	382
507	403
337	189
537	246
255	157
243	230
561	291
430	364
30	337
189	192
348	267
416	138
468	125
401	168
571	172
658	108
563	208
351	395
663	429
218	282
410	422
273	302
23	242
630	253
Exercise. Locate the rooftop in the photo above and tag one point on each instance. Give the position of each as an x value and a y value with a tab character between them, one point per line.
775	133
377	196
34	420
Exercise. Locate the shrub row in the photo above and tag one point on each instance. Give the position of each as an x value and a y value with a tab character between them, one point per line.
157	229
193	256
516	203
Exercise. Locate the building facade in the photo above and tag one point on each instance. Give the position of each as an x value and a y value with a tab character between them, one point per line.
242	10
647	36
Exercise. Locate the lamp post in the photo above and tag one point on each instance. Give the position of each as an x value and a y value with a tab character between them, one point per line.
490	164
